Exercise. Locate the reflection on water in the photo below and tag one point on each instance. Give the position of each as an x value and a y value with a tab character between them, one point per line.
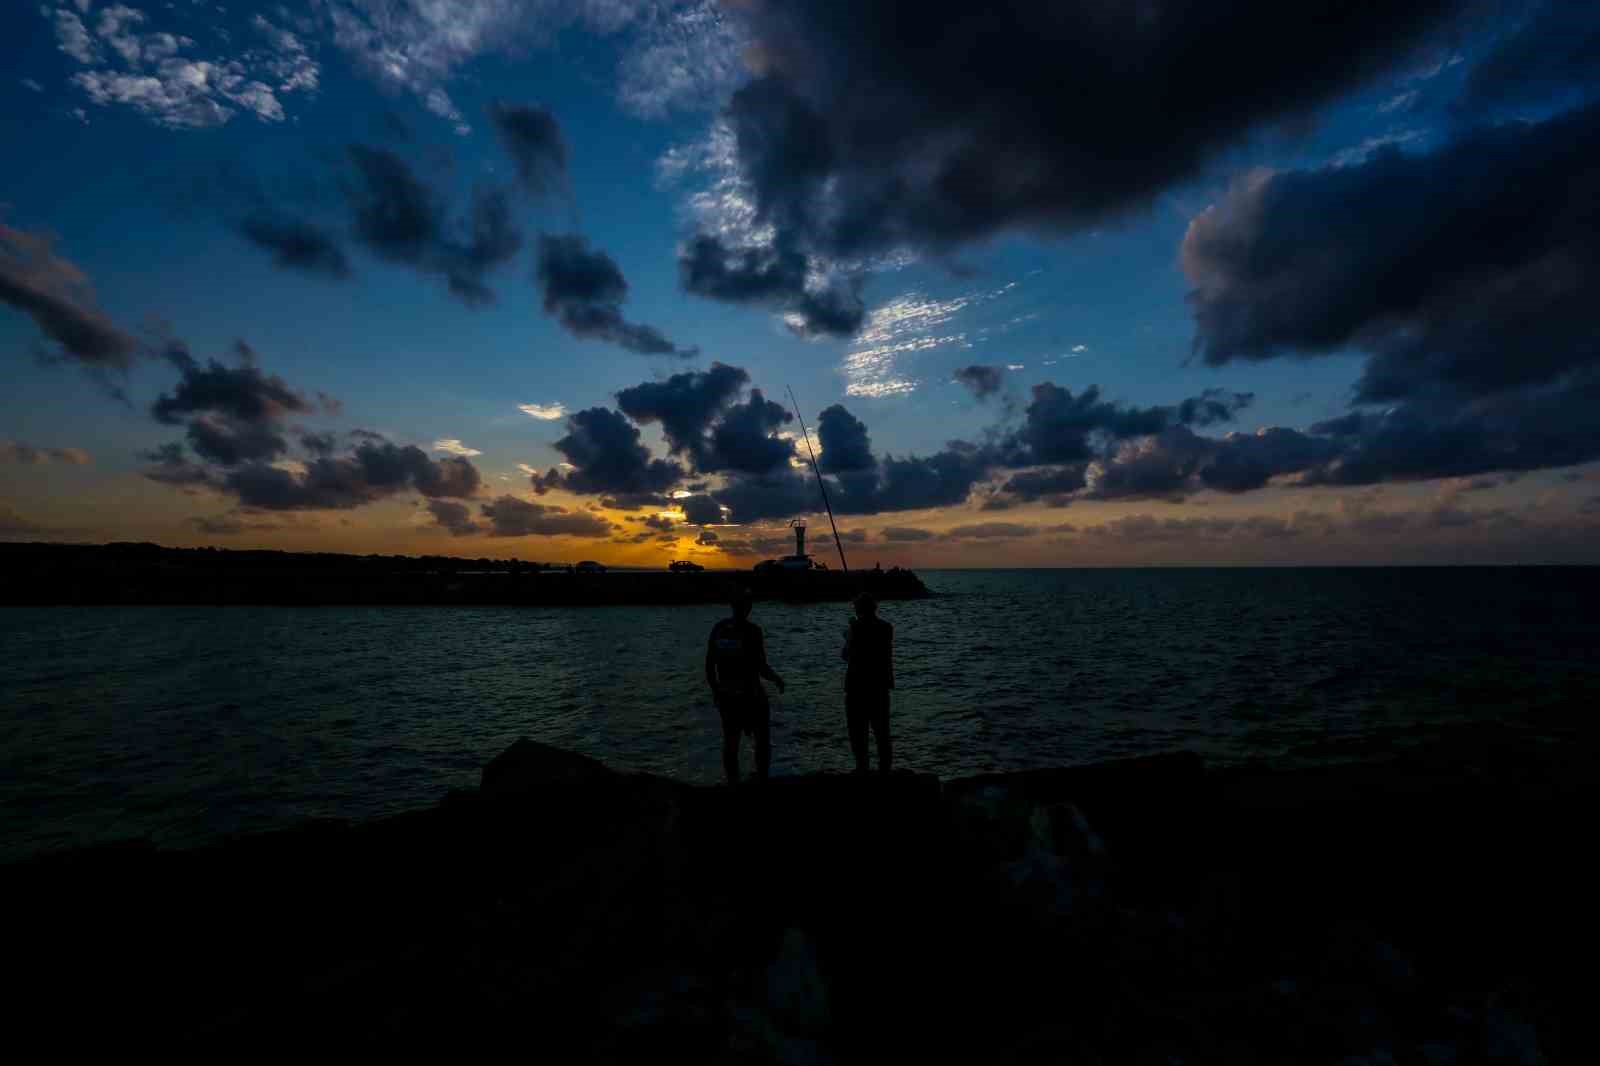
182	723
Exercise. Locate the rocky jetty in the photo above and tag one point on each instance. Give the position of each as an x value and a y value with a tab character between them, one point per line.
1423	908
55	574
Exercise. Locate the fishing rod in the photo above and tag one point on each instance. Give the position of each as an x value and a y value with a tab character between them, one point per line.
823	485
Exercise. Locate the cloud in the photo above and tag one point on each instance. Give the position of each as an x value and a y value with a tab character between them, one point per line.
32	86
1549	54
11	522
454	517
905	534
56	294
297	244
1055	485
991	531
857	137
706	537
1438	265
513	517
403	220
1213	406
700	510
147	71
584	290
243	391
454	447
545	412
846	446
775	277
375	470
684	404
532	137
604	448
27	454
984	381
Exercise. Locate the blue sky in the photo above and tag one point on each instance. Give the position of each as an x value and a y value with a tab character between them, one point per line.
140	136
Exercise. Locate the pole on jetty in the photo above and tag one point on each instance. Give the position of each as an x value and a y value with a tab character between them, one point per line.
805	433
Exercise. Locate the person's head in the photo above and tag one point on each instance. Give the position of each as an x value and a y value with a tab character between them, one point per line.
866	606
740	601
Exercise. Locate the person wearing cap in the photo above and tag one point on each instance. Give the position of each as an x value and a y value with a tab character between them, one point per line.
736	661
869	651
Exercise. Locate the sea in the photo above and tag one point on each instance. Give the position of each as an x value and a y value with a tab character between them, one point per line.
186	724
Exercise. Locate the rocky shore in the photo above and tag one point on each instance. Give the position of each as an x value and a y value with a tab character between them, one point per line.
1422	908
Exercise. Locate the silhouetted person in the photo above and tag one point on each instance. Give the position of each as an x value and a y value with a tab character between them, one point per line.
869	650
736	661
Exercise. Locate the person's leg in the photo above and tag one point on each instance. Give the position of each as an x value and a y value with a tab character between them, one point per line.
730	744
880	732
856	720
761	726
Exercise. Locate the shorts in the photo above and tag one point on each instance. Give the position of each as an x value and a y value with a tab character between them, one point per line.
750	715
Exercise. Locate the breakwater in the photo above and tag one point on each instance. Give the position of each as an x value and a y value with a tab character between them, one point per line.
47	574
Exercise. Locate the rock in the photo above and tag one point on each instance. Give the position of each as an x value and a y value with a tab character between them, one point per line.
527	764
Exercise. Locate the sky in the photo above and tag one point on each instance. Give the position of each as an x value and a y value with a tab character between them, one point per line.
1066	284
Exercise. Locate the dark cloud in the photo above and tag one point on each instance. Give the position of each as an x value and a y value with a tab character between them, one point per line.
28	455
1212	406
991	531
1052	484
374	470
242	392
1472	269
584	289
706	537
685	405
455	517
604	447
984	381
742	440
633	501
55	293
1552	53
169	465
228	440
780	495
532	137
874	126
771	277
400	218
905	533
846	447
700	510
319	443
513	517
297	244
1062	428
659	522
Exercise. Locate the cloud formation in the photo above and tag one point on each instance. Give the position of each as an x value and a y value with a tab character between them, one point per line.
584	289
512	517
297	244
984	381
859	136
401	219
28	455
532	138
56	294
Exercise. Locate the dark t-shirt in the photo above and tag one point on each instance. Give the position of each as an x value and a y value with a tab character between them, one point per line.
871	655
735	655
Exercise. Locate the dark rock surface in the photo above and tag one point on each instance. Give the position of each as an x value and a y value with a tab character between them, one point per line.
1425	908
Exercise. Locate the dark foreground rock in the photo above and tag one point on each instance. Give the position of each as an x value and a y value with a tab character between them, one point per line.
1428	908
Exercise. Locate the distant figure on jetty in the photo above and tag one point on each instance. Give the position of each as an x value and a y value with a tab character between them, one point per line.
869	651
736	661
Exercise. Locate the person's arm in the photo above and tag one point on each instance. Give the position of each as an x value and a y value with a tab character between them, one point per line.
761	662
849	634
889	654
